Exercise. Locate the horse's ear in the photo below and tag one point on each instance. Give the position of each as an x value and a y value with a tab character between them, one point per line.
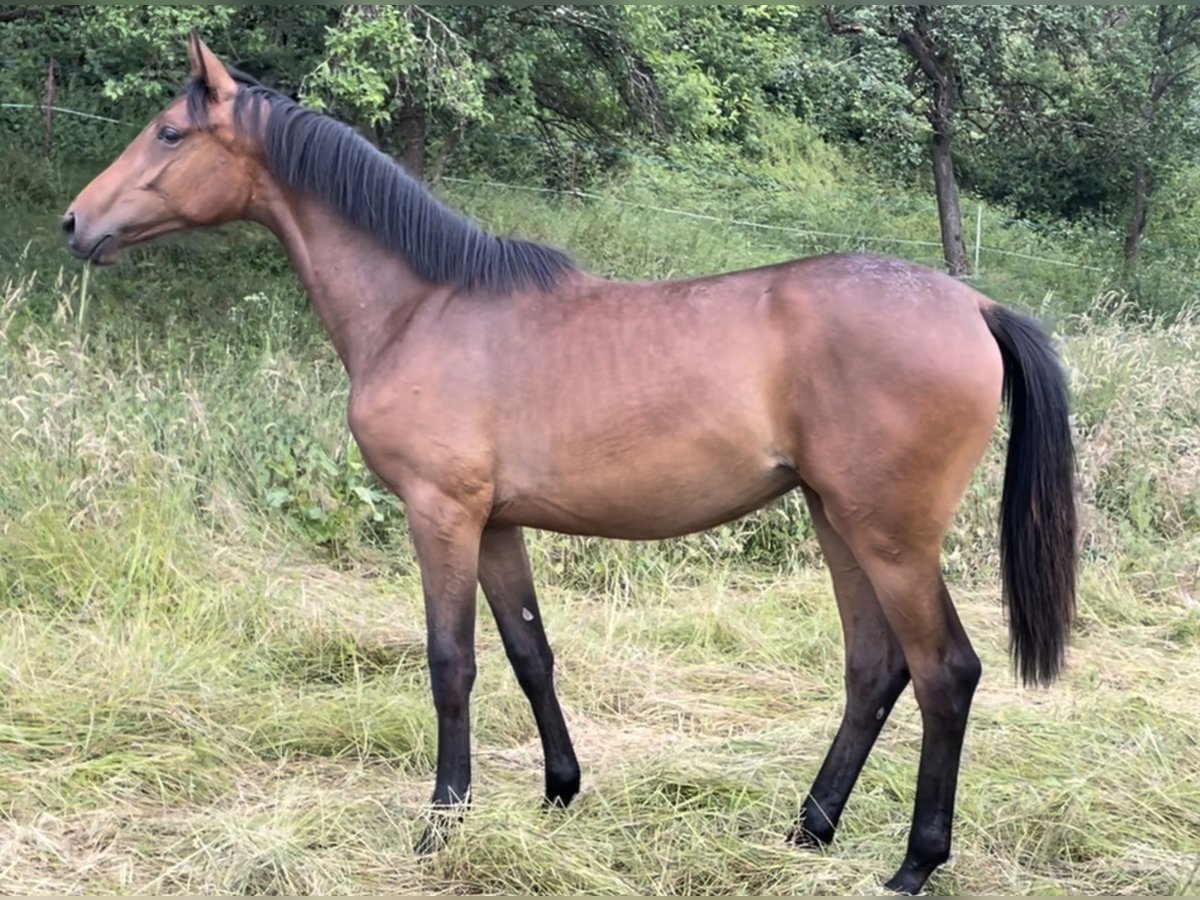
208	69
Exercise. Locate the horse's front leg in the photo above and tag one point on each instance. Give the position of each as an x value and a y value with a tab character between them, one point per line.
446	534
508	585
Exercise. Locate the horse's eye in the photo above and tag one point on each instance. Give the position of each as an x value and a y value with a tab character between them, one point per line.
170	135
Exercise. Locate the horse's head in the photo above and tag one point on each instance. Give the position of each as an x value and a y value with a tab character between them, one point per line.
189	167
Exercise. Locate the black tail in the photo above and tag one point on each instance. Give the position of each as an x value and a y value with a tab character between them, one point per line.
1037	511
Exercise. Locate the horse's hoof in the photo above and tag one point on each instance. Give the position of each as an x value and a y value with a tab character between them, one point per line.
430	842
561	791
557	801
438	833
906	882
807	839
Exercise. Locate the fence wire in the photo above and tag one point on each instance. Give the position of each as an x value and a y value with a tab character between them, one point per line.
764	226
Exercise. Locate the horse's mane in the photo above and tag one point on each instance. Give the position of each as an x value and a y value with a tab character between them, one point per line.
330	160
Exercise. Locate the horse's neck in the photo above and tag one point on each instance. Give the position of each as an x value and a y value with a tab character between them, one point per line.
356	286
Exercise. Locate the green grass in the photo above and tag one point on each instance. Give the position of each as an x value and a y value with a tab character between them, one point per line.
212	672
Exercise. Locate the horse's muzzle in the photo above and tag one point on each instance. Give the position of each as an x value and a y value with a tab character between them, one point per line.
101	250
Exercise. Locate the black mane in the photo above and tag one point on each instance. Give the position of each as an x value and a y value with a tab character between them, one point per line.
330	160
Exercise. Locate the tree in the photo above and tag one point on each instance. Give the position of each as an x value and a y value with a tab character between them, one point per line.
1082	109
1033	143
719	67
129	60
431	73
398	66
933	55
930	39
1152	58
960	77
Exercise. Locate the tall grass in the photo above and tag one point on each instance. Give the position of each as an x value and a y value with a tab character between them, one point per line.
212	672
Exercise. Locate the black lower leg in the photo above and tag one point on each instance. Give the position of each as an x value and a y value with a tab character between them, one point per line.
452	678
452	674
870	696
534	668
446	535
945	700
876	674
508	585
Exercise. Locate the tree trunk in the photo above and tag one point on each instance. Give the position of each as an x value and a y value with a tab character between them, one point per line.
949	212
444	152
1159	83
412	133
1137	221
943	98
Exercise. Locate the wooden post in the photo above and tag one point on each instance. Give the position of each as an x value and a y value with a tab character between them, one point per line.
978	234
574	168
48	132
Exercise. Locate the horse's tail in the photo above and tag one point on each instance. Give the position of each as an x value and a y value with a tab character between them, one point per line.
1037	510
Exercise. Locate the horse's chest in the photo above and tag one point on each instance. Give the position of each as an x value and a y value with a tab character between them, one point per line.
405	437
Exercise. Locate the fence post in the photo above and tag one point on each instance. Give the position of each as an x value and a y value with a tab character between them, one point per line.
574	169
48	132
978	234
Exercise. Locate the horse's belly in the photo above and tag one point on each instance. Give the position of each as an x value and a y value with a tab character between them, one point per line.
646	501
654	448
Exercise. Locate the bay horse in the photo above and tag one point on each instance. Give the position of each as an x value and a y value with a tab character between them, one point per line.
494	386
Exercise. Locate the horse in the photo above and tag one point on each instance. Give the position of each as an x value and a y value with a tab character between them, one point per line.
495	386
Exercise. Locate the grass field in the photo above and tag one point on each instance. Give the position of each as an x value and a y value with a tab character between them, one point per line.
212	673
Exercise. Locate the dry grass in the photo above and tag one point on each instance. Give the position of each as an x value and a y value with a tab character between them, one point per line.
196	699
298	762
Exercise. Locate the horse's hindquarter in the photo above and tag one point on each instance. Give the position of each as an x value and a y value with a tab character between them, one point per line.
899	393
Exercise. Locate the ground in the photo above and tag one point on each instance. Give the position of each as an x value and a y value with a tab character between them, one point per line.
700	712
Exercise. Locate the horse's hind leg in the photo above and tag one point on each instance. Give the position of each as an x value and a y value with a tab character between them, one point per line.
899	550
508	585
876	674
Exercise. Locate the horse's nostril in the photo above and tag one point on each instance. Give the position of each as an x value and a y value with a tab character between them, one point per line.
68	224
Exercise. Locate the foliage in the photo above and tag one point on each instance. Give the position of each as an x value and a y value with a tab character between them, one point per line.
330	496
719	69
389	65
1058	108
